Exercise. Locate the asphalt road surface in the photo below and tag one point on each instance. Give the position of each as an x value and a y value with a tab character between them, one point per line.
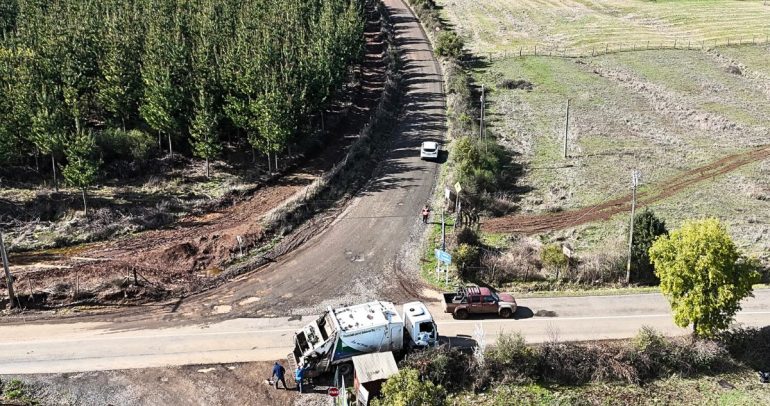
58	348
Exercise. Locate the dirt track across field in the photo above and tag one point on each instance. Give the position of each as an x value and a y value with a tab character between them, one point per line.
541	223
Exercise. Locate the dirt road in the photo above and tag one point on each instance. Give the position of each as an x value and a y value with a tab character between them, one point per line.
541	223
359	256
38	348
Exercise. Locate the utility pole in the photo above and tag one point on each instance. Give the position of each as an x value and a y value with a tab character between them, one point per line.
635	175
443	231
8	278
566	130
481	126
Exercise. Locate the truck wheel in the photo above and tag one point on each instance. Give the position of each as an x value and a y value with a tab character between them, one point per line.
506	313
461	314
346	368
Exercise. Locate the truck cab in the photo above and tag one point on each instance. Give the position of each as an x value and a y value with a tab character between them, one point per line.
419	325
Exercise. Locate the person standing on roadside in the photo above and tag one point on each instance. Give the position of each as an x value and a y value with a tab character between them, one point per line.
425	214
299	376
278	374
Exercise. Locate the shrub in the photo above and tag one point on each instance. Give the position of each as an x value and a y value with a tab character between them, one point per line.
466	256
566	363
467	236
406	389
553	258
511	360
132	145
480	166
449	45
520	262
604	267
514	84
750	346
443	366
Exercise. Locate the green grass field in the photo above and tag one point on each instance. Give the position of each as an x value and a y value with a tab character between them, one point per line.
663	112
506	25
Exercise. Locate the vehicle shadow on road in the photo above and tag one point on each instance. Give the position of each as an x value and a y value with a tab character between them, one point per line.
523	312
460	341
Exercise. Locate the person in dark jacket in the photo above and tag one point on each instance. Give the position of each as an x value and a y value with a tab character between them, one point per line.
278	374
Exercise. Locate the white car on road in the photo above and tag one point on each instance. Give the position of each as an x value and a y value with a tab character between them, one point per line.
429	150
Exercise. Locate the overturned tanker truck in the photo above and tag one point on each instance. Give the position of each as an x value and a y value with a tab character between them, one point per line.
340	334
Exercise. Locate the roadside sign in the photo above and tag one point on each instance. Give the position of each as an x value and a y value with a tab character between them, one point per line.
443	256
458	189
333	392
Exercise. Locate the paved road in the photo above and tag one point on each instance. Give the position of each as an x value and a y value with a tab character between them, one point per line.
97	346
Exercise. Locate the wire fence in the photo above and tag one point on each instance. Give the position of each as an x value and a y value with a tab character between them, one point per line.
606	48
59	286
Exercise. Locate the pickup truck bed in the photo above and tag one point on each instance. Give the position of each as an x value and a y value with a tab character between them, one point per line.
450	301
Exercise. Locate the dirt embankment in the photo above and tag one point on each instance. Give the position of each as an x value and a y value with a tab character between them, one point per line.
533	224
182	257
228	384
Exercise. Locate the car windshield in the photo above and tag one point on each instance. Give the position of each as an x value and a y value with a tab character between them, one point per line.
494	295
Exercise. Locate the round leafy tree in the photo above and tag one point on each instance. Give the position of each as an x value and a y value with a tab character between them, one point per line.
703	275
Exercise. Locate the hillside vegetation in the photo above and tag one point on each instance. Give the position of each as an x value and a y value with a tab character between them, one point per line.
694	122
187	72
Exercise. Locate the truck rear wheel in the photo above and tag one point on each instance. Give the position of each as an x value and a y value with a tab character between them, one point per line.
506	313
461	314
345	368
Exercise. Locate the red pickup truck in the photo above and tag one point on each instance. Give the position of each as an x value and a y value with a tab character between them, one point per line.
475	300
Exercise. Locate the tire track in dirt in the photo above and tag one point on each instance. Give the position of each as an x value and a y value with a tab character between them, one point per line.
541	223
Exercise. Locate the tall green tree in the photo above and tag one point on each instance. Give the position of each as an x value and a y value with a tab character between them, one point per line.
82	164
163	73
703	275
120	86
49	127
202	130
15	103
647	228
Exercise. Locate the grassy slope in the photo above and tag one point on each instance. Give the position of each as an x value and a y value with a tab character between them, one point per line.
503	25
737	389
671	117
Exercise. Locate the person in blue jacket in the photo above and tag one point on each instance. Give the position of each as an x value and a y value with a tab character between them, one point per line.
299	376
278	374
